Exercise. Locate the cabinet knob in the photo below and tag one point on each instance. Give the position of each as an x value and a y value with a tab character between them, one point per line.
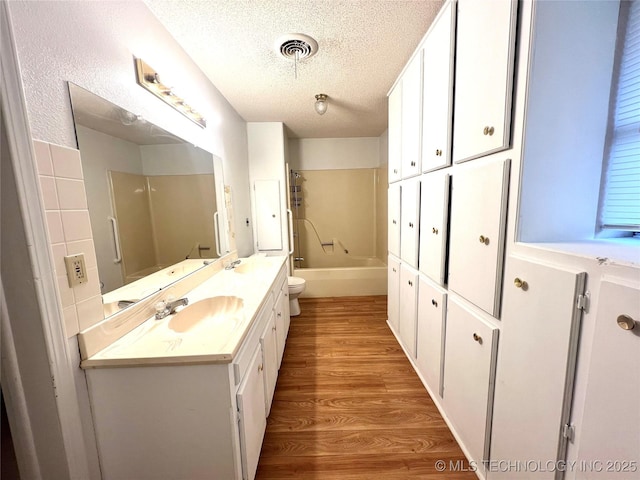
279	314
434	230
394	270
411	224
433	302
477	338
393	221
519	283
260	367
410	283
273	328
488	131
625	322
484	239
413	164
438	153
395	170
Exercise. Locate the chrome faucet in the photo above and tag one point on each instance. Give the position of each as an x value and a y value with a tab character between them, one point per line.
164	309
233	265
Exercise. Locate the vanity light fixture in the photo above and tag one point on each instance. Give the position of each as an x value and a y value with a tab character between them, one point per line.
148	78
321	104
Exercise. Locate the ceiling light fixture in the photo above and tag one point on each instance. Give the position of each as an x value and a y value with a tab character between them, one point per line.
149	79
321	104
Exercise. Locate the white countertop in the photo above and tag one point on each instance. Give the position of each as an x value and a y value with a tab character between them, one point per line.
212	340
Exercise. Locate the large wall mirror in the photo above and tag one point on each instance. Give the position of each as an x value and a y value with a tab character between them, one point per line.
156	202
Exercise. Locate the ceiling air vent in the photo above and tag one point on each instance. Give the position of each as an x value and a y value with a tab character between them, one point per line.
296	46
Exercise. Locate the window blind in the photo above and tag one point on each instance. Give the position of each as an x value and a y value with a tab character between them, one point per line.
620	207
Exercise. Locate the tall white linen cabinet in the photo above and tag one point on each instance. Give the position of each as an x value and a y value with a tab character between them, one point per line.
502	332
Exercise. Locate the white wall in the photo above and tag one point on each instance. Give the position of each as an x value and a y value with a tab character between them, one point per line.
334	153
92	44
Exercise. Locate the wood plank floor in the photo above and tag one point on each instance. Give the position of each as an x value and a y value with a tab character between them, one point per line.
348	404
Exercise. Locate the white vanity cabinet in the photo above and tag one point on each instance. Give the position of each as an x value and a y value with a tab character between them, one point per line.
469	373
281	311
393	292
432	308
408	308
393	230
538	348
434	217
437	90
395	133
269	344
476	236
252	421
410	221
485	52
195	416
411	123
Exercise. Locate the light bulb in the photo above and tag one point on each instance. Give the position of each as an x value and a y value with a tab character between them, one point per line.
321	104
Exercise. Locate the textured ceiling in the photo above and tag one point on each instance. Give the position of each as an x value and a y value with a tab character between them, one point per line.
362	47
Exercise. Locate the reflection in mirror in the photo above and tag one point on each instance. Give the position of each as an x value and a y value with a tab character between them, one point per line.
152	197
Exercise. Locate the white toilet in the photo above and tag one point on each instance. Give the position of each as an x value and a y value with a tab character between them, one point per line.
296	287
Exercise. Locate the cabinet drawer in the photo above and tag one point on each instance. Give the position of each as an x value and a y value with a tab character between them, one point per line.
476	238
471	344
432	307
243	359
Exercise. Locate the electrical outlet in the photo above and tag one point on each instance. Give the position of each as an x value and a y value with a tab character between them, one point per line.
76	269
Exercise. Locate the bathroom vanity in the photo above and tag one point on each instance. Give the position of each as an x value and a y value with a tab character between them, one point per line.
187	396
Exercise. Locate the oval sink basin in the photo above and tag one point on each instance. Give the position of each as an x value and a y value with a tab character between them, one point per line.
213	309
250	267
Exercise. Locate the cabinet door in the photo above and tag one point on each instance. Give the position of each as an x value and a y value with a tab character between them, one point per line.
471	343
410	226
476	237
394	219
432	307
611	419
540	328
408	308
412	116
434	216
252	418
437	91
485	50
281	327
393	293
395	133
268	221
268	342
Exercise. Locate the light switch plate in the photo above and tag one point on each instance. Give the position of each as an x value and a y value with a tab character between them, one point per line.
76	269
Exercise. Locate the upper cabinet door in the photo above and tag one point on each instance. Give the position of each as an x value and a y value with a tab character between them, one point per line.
394	219
410	227
485	51
395	133
437	91
434	214
538	348
412	117
476	237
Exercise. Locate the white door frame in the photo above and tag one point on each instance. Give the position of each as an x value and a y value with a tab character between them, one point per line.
60	361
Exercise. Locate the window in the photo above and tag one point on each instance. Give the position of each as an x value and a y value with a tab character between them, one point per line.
620	198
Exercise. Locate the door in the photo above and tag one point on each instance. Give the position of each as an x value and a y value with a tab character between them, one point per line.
485	52
412	116
408	308
476	238
395	133
410	222
268	342
535	372
394	219
268	216
393	293
432	308
437	91
611	419
434	216
469	372
252	418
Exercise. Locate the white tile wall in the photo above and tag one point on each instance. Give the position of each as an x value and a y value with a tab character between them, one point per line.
65	203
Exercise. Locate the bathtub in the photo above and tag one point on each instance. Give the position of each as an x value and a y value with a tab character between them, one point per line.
366	276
